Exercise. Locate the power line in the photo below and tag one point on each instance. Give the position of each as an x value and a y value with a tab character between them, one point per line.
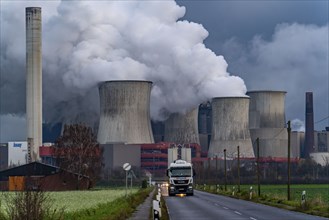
321	120
277	134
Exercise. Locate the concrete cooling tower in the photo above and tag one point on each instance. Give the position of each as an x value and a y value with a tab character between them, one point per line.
267	122
33	81
125	112
182	128
230	127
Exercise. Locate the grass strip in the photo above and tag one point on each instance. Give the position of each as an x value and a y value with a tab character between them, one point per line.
163	206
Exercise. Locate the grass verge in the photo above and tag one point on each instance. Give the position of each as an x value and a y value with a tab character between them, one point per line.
163	206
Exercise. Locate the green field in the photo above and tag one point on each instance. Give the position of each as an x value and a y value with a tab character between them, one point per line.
73	201
317	196
313	191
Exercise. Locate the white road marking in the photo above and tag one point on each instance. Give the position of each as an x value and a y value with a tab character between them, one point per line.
216	204
225	207
253	218
237	212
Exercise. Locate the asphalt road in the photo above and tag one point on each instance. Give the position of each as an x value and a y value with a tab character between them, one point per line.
209	206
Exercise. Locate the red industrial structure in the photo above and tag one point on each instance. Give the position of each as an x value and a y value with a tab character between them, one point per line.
154	157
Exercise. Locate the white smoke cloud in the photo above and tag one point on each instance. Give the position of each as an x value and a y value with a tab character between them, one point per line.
297	125
86	42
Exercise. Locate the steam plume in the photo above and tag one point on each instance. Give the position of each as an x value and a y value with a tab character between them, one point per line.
86	42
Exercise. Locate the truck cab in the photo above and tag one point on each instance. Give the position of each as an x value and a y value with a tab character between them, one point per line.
180	175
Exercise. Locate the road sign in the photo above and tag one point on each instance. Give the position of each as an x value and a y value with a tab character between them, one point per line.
126	166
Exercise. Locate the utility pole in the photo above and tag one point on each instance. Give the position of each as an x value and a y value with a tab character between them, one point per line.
289	131
258	173
208	170
225	173
216	168
238	169
216	157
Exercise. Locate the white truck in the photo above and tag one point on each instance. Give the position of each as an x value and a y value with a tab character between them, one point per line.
180	175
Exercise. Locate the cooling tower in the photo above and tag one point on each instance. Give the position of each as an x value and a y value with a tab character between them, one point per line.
125	112
230	127
309	125
33	82
182	128
267	122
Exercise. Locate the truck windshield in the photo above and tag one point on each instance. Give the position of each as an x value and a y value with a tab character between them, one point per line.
181	171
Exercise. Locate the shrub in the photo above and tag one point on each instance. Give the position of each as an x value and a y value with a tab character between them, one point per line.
144	184
29	205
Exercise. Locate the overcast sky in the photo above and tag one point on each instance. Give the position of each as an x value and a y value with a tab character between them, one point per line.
266	45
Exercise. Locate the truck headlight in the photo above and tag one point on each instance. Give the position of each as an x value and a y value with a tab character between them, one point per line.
172	187
190	187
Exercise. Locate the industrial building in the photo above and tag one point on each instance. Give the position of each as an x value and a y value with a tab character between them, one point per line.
3	156
321	140
297	139
13	154
158	131
204	125
116	154
154	157
320	148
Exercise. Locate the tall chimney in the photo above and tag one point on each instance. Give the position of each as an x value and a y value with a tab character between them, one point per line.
33	81
309	127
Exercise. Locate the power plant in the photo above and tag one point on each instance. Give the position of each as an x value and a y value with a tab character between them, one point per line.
33	81
182	128
209	136
230	127
125	112
267	123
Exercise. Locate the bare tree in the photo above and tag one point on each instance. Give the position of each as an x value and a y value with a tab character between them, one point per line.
78	151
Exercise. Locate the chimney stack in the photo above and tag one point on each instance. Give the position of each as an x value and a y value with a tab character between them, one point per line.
33	81
309	126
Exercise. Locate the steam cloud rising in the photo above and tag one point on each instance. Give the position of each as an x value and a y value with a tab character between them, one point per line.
85	43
